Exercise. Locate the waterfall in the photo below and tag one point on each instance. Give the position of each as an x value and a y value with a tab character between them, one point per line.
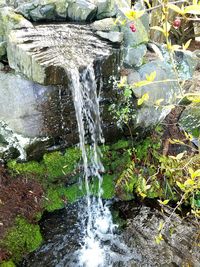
98	227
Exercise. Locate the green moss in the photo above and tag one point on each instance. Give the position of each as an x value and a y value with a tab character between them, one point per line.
55	195
31	167
121	144
51	168
7	264
58	165
22	238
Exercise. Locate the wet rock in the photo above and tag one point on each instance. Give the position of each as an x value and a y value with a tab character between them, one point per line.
32	110
134	56
179	246
30	51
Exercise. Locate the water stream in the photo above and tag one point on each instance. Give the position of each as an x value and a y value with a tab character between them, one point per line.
98	227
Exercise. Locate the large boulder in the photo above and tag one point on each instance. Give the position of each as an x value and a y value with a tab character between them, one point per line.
163	92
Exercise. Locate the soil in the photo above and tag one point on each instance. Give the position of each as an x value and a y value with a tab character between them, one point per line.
19	196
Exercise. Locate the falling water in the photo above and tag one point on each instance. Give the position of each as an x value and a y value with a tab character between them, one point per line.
98	237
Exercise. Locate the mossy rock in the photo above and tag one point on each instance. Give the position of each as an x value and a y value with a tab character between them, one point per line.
22	238
57	195
54	166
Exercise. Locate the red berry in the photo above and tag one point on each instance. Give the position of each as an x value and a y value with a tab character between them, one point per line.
177	23
132	27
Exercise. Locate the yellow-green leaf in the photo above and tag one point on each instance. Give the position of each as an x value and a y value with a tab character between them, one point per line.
134	14
151	77
176	9
158	238
189	182
180	156
180	185
164	202
148	3
187	44
161	225
141	83
141	100
159	101
193	9
157	28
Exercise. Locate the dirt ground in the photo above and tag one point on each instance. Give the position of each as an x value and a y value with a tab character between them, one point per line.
18	196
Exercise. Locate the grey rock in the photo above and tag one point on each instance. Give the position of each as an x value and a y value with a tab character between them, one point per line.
46	12
2	3
139	5
1	66
9	20
133	39
44	53
166	89
25	9
81	10
134	56
35	14
114	37
133	77
104	25
148	117
176	249
150	113
105	8
187	62
190	119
